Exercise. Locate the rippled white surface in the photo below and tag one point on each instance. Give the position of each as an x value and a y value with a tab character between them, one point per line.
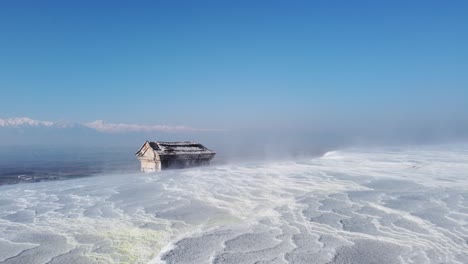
353	206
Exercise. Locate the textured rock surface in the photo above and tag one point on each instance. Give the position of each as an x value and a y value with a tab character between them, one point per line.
354	206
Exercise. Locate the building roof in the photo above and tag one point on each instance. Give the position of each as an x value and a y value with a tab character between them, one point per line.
182	150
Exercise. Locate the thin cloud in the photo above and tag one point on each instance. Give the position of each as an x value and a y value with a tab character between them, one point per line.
101	126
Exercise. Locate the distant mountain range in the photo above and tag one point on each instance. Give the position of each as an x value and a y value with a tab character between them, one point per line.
26	122
98	125
23	121
25	130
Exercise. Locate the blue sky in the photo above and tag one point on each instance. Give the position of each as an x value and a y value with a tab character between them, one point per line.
224	64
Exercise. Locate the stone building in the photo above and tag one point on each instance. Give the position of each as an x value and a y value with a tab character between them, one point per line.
156	156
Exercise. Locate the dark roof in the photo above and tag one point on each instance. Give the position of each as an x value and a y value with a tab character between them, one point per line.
184	149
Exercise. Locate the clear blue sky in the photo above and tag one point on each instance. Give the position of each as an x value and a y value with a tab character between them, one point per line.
233	63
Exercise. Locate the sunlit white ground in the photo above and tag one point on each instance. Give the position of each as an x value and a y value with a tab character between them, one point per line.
351	206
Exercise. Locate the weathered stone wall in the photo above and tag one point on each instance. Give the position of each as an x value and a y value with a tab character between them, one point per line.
150	166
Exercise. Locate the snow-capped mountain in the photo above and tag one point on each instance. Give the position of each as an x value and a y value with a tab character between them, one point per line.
98	125
25	130
24	121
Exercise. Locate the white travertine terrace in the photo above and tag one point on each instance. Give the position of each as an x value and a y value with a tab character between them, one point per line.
350	206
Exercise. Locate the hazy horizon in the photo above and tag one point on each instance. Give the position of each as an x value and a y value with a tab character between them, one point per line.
360	68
